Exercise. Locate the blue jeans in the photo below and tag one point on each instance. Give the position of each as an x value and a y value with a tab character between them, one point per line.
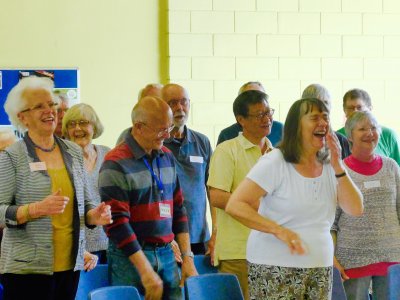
357	288
123	272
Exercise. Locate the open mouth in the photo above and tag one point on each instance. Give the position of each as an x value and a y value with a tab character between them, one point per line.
320	133
48	119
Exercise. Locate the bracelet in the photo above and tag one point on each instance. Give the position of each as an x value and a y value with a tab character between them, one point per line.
341	174
26	212
188	254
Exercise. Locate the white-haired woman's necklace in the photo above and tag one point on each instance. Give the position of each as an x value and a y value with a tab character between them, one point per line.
46	149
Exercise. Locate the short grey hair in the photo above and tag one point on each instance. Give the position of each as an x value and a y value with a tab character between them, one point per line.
143	92
244	86
15	102
82	111
318	91
358	117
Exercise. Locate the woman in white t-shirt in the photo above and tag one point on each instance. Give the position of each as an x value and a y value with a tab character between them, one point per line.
290	249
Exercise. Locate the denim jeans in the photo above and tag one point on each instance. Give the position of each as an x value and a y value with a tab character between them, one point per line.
357	288
123	272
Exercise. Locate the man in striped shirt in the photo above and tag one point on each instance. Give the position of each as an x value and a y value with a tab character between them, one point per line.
139	181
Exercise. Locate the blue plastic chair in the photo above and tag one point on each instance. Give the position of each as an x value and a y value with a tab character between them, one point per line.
1	291
203	265
94	279
213	286
393	288
338	292
115	292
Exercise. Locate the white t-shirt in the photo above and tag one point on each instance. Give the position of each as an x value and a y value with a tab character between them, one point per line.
303	205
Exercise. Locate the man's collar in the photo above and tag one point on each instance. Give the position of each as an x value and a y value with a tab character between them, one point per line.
137	150
246	144
187	136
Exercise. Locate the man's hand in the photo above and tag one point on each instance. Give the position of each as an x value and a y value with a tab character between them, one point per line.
177	251
188	269
153	285
211	246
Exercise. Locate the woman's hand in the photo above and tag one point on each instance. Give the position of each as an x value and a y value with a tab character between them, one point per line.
338	266
336	152
90	261
101	215
292	240
53	204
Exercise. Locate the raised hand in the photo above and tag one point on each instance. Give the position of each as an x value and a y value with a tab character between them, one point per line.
53	204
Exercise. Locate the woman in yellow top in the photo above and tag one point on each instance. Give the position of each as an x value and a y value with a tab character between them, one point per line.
44	202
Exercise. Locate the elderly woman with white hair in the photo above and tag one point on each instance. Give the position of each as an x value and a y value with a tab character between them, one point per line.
45	200
368	245
81	125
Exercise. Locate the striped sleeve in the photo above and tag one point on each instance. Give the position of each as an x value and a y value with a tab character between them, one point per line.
114	192
180	220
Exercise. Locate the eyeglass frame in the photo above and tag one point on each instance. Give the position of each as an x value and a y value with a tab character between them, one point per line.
174	102
268	113
81	123
52	105
161	132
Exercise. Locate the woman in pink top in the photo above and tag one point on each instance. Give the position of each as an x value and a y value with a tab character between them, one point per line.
366	246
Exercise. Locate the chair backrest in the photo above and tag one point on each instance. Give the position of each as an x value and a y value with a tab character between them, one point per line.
213	286
393	287
338	292
94	279
203	265
115	292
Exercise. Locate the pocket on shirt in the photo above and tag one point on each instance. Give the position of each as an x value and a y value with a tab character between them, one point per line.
23	252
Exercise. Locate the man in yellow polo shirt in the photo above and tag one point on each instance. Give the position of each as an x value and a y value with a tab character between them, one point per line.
230	163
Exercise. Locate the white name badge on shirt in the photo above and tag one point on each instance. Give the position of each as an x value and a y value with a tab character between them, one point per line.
37	166
165	210
372	184
196	159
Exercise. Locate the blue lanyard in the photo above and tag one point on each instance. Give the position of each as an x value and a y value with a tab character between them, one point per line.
153	175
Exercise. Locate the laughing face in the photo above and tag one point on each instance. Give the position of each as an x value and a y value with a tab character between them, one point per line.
364	136
40	114
314	127
258	122
80	132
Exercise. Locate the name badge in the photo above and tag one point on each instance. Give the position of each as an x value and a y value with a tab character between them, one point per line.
165	210
196	159
37	166
372	184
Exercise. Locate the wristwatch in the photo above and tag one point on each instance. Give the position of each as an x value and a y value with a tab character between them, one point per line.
188	253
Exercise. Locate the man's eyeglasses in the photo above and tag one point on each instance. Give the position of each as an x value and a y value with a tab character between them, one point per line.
175	102
42	107
81	123
268	113
160	132
355	108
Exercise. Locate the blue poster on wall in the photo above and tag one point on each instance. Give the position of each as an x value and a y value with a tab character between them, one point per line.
66	82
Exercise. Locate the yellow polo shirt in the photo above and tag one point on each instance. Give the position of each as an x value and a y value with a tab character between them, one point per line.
230	163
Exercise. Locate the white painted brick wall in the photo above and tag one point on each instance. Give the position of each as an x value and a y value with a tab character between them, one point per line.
362	46
295	68
239	5
342	68
362	6
179	22
299	23
321	46
339	23
212	22
256	22
281	5
234	45
278	45
213	68
320	5
248	68
217	45
189	5
190	45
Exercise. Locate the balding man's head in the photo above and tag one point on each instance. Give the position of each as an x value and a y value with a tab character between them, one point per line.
152	120
152	89
178	99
